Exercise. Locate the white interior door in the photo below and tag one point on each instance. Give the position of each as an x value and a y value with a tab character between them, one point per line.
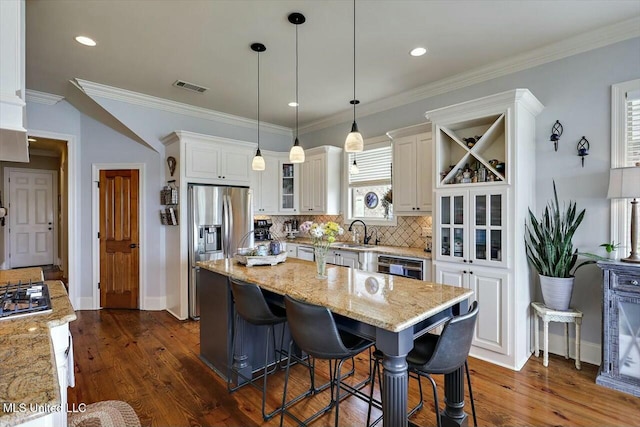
31	217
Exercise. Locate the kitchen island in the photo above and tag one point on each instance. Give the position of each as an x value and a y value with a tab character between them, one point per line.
32	348
390	310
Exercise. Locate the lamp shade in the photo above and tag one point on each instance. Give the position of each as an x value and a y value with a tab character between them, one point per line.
624	183
354	142
296	155
258	162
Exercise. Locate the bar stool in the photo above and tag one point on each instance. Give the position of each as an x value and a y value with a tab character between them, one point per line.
252	307
314	331
446	353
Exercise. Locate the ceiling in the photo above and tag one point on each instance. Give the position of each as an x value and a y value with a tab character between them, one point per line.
144	46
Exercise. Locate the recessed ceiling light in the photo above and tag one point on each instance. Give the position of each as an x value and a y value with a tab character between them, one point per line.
418	51
293	104
85	41
31	139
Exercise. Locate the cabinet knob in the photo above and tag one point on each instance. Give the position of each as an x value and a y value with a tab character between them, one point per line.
470	261
634	282
413	209
464	271
471	272
464	260
417	209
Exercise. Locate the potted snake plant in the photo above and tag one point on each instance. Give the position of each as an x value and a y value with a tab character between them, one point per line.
550	250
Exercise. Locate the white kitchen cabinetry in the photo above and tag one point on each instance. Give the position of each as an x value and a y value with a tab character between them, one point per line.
219	161
320	181
484	165
412	175
289	186
344	258
13	135
292	250
265	186
306	253
490	287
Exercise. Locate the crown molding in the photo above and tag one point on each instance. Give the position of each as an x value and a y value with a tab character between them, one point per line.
43	97
572	46
135	98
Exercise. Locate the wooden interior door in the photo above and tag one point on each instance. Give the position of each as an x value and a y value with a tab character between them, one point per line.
119	237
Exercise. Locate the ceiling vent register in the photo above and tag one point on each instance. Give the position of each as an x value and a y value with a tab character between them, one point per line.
190	86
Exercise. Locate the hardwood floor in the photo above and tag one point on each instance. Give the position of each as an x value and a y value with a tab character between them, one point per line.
150	360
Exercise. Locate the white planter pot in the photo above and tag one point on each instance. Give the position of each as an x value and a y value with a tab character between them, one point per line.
556	291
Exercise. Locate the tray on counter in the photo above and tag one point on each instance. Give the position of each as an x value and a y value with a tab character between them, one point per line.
250	261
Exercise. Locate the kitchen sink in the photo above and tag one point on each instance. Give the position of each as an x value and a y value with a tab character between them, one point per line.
351	245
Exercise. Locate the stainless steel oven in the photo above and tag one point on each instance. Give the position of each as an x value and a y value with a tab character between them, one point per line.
399	266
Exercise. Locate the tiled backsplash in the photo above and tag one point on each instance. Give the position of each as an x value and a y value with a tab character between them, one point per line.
408	232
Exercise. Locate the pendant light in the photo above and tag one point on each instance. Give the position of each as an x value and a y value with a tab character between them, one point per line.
258	161
354	169
354	142
296	155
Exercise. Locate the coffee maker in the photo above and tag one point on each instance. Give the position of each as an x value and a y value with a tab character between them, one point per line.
261	229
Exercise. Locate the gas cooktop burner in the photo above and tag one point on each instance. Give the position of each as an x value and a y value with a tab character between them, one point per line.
19	299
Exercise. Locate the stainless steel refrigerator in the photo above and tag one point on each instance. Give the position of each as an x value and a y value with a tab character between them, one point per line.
220	220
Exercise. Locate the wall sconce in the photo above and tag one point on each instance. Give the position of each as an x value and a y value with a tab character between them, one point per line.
556	132
583	148
171	162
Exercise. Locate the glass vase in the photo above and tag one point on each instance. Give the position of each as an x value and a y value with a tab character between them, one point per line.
320	256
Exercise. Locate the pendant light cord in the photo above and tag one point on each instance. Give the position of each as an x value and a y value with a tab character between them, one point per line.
354	60
297	103
258	101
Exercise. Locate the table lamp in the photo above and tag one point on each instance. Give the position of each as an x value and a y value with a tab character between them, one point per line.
624	183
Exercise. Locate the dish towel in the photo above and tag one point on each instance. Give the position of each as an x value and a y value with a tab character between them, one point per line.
397	269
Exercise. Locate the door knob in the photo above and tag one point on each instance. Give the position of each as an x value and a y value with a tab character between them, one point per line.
133	246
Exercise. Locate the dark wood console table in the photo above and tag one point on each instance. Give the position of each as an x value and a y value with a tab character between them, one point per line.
620	367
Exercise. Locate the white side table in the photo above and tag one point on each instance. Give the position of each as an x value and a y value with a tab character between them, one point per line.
551	315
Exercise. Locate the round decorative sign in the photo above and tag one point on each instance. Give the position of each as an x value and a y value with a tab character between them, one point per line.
371	200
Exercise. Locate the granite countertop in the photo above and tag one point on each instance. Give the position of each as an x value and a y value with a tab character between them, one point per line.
389	302
378	249
29	374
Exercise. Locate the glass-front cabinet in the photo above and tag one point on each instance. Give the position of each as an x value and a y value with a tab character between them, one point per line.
472	226
288	187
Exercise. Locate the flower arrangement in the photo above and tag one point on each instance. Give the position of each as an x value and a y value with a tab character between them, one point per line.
323	234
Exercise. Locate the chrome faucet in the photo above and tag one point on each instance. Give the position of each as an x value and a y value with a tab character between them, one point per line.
366	238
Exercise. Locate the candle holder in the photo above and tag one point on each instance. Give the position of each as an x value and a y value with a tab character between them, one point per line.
583	148
556	132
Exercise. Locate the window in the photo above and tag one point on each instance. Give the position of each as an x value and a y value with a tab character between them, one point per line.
625	151
365	195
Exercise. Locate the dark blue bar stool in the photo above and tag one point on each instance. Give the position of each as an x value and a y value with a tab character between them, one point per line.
251	306
314	331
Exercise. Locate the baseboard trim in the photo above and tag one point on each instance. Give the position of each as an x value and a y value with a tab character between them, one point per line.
85	303
589	352
174	314
154	303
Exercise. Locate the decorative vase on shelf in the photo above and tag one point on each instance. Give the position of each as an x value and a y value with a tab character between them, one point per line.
320	256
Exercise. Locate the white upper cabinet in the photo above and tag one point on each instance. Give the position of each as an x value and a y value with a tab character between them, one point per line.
320	181
412	175
13	135
289	186
211	160
265	185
